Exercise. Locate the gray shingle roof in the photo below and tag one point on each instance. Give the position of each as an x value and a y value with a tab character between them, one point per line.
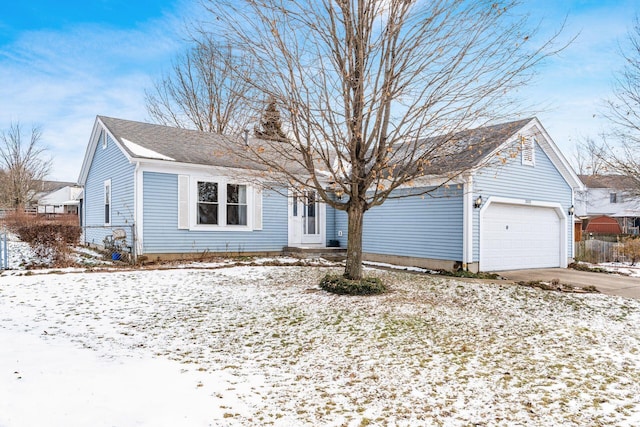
618	182
470	147
181	145
467	148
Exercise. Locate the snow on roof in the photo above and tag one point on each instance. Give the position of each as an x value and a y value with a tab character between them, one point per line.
141	151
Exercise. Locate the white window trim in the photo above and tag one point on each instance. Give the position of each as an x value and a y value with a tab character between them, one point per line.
103	139
222	205
529	146
107	185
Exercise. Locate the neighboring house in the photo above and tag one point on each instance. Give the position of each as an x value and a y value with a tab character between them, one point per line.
611	196
64	200
181	195
43	188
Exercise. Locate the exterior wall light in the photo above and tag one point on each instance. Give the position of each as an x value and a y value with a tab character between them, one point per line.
478	202
572	210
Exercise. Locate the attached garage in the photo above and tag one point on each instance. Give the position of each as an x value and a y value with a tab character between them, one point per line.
520	236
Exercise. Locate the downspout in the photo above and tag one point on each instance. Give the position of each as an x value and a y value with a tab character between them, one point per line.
572	226
467	221
136	245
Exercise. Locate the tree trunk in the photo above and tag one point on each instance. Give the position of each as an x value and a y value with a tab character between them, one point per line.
353	268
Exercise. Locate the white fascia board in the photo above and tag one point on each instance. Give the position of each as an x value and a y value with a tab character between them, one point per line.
436	181
89	153
176	168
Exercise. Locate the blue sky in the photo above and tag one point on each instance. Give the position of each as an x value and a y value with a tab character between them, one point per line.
64	62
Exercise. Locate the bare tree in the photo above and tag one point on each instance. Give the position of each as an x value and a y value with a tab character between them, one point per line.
591	157
373	92
623	156
23	164
203	91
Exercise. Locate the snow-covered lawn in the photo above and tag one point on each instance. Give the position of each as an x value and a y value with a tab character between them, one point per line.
621	268
261	345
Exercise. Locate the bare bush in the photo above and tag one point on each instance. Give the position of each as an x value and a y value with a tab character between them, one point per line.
51	239
632	249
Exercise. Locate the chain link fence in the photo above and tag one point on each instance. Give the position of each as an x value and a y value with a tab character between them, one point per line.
117	242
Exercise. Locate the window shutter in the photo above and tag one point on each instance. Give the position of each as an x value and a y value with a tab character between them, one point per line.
257	208
183	202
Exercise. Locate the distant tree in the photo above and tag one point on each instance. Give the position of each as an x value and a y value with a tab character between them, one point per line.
23	163
270	127
374	90
590	157
623	111
202	92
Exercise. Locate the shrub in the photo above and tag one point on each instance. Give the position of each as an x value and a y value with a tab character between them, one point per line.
343	286
468	274
631	249
50	238
584	267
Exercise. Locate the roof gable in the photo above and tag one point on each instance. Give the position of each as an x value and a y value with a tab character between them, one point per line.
532	127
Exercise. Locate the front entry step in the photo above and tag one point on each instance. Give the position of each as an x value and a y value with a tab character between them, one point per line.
330	254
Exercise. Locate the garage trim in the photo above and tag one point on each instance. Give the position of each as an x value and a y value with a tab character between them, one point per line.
522	202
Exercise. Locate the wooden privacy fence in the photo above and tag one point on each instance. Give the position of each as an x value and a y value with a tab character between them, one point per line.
597	251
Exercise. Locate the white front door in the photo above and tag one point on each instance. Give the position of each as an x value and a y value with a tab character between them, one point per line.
306	219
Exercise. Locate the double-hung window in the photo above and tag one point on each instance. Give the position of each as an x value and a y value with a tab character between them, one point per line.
107	202
218	203
236	204
208	203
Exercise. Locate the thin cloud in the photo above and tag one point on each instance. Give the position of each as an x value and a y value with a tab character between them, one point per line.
62	80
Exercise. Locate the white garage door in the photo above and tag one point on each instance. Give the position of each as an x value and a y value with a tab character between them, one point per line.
517	237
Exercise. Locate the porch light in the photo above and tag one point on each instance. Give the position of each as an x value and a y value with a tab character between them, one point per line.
572	210
478	202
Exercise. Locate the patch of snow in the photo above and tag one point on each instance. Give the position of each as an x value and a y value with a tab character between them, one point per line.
51	381
20	255
400	267
622	268
141	151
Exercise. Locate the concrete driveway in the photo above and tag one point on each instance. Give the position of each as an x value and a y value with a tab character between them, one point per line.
606	283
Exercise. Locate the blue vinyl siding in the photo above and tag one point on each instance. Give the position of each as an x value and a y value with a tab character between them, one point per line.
341	225
542	182
160	223
330	223
413	226
108	163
